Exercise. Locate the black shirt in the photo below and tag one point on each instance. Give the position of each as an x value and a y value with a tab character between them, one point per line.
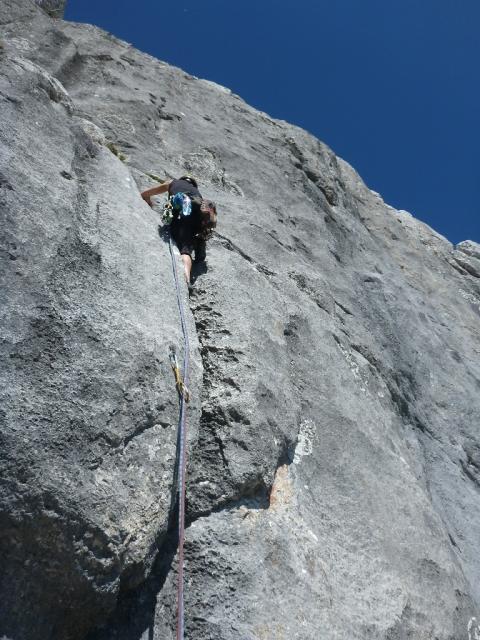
185	228
183	186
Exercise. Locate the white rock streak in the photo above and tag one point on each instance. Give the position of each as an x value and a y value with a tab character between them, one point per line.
305	441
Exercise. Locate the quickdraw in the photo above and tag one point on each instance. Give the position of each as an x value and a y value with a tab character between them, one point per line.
182	389
167	215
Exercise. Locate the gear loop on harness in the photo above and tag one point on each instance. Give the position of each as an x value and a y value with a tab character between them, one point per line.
167	214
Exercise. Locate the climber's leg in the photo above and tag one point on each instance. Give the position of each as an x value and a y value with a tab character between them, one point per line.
183	234
187	265
200	250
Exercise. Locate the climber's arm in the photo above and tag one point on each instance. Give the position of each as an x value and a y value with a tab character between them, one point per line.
154	191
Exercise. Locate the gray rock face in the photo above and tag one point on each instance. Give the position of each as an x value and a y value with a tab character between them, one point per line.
54	8
470	248
334	453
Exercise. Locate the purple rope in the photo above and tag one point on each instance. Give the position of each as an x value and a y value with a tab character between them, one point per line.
182	458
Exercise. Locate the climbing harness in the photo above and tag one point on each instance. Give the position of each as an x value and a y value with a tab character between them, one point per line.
184	396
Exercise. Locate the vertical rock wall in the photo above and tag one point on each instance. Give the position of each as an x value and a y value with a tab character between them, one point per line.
333	479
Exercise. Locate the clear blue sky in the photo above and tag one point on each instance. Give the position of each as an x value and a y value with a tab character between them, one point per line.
391	85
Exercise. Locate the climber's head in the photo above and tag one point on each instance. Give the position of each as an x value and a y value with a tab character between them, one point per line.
191	180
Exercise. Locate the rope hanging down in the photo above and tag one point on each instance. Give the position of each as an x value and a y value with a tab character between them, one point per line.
182	388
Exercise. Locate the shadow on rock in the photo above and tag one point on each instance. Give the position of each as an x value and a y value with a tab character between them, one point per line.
199	269
164	232
134	616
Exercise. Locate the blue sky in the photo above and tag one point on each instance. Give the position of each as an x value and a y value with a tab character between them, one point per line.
391	85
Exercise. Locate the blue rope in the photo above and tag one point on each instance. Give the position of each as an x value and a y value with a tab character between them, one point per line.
182	435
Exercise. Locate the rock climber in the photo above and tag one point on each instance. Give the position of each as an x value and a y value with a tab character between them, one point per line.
188	231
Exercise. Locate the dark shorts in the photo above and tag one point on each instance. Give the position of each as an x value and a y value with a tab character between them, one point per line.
183	232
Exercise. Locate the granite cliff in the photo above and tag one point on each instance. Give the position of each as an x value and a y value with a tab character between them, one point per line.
334	450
